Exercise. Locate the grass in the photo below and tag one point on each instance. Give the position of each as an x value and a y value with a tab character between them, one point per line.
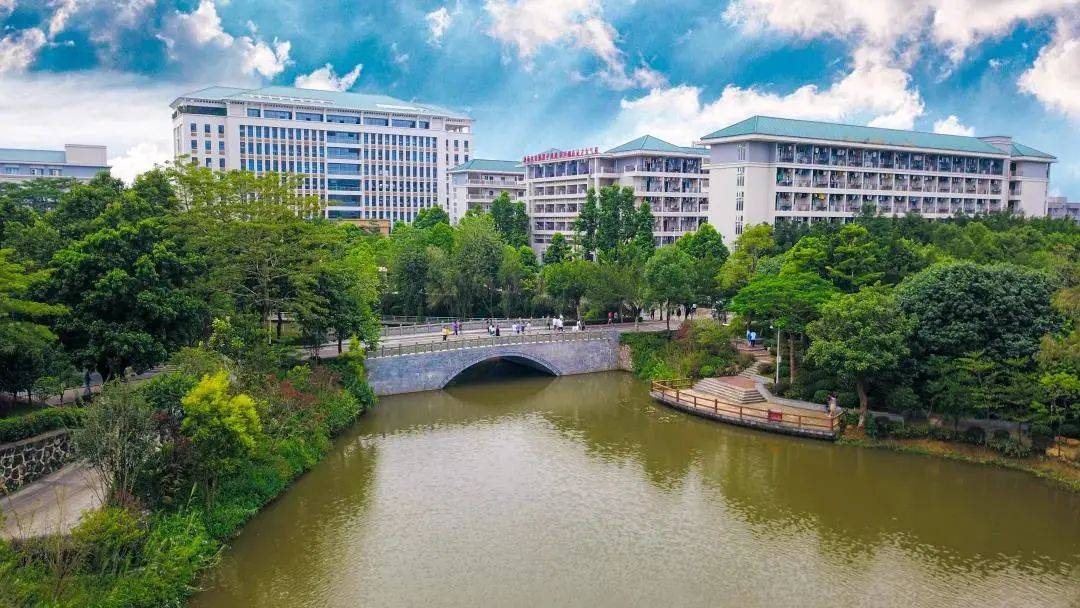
1057	471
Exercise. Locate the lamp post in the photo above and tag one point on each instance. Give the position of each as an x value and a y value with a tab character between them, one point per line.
779	356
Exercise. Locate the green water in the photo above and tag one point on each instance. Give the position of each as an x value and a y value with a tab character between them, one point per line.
580	491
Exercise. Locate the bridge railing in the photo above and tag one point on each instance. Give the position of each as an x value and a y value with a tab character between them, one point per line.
488	341
435	326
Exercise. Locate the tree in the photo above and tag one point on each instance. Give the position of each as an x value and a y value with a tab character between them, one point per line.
788	301
585	225
27	348
567	282
753	244
609	224
222	427
557	250
1003	310
855	259
859	337
117	437
643	231
346	288
517	279
129	297
430	217
475	261
409	269
707	248
511	221
668	275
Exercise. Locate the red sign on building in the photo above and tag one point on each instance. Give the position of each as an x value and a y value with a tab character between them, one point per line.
560	155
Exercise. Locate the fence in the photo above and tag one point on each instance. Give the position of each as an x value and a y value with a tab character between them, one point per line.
489	341
675	390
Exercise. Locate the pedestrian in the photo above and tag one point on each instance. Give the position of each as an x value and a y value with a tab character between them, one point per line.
445	332
832	403
753	339
748	335
497	333
610	317
528	326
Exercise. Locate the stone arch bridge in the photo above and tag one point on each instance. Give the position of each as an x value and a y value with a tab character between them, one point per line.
432	365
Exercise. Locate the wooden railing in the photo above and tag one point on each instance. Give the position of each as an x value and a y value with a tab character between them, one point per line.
440	346
676	388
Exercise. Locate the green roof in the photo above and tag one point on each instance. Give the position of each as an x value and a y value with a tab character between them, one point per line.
649	143
32	156
484	164
342	100
1022	150
810	129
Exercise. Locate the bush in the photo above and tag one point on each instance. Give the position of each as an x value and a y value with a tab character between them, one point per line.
111	538
941	433
975	435
1000	435
909	431
707	371
17	428
766	369
1042	436
1070	430
879	426
1010	448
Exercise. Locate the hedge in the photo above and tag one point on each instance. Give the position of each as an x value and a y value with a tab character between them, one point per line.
17	428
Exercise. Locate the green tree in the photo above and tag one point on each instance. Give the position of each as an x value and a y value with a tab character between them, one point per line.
28	350
567	282
707	248
475	262
609	224
428	218
753	244
643	231
117	437
668	275
557	250
222	427
859	337
511	221
586	224
788	301
855	260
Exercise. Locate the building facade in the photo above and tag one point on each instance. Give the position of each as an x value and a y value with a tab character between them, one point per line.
1060	208
368	157
74	161
670	178
474	184
767	169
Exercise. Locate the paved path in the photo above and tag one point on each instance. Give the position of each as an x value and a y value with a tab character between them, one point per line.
52	504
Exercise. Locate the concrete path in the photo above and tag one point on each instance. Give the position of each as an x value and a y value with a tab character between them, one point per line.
53	504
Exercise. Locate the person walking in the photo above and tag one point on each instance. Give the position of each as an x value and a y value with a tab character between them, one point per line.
753	339
445	332
497	332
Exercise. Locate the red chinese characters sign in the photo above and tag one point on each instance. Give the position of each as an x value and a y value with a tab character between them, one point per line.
559	155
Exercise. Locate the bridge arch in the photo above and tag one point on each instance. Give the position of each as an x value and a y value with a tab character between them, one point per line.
517	356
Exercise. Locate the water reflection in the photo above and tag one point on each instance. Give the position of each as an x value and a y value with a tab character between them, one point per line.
582	491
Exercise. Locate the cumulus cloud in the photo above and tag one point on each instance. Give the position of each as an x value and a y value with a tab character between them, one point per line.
63	9
438	21
872	92
326	79
19	49
6	7
197	42
48	110
954	25
1054	77
527	26
953	126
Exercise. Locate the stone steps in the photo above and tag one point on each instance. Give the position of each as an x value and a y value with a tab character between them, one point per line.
730	391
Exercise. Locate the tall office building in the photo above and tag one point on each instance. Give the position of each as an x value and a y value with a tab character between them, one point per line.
76	161
369	157
767	169
670	178
474	184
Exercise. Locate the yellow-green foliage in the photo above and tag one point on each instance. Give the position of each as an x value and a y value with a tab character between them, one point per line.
217	422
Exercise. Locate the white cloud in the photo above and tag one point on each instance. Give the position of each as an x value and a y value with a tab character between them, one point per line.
954	25
19	49
199	44
1054	77
6	7
46	110
530	25
872	92
953	126
438	21
63	12
400	58
326	79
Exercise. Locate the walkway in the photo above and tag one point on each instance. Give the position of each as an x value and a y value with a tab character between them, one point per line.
53	504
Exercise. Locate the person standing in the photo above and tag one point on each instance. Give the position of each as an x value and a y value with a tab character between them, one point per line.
497	332
753	339
445	332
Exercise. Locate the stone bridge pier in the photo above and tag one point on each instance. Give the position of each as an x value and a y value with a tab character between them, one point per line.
558	354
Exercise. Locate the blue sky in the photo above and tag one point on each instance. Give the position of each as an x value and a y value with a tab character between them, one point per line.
554	73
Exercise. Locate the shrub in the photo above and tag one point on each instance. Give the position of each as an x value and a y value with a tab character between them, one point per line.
941	433
975	435
1070	430
766	369
707	371
111	538
909	431
1042	436
118	436
879	426
1010	448
1000	435
17	428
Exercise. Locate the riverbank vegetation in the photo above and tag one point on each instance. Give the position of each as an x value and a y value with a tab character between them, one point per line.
950	320
700	348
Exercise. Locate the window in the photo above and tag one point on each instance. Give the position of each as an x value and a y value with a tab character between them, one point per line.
309	116
206	145
221	130
54	172
206	129
408	124
740	176
345	120
221	146
194	145
739	201
194	128
738	228
740	151
206	162
221	163
423	124
254	112
375	121
279	114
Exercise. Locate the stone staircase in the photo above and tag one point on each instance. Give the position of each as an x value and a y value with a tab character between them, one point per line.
731	389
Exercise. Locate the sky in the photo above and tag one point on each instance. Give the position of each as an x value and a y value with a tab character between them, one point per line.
536	74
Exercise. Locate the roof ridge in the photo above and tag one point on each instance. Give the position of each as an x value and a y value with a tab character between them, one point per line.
848	124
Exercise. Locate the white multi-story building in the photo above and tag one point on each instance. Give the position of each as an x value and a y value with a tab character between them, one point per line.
75	161
1060	208
766	169
474	184
670	178
369	157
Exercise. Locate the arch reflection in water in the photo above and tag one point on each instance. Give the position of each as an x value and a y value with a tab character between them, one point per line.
580	491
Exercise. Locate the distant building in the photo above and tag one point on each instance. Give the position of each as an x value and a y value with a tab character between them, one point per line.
670	178
369	157
474	184
1058	207
767	169
76	161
